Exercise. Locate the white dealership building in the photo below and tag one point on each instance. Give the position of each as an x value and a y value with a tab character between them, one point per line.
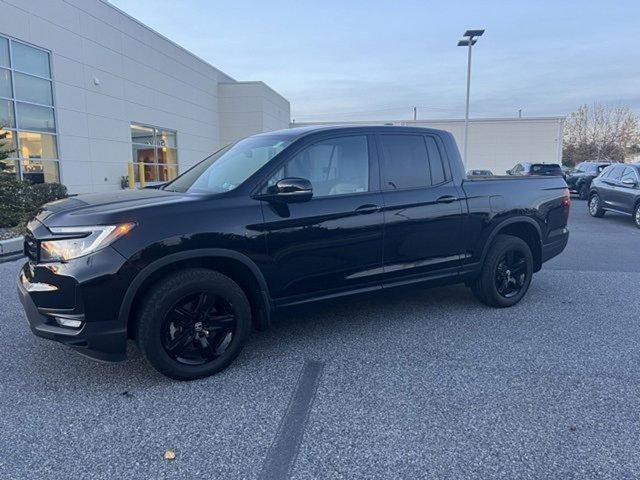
86	89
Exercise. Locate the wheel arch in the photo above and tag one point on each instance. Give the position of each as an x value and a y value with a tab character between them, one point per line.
525	228
236	266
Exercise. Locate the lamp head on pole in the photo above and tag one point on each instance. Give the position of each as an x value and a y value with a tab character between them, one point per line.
470	38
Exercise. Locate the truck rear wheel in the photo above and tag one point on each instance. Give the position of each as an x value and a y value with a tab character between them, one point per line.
506	273
193	324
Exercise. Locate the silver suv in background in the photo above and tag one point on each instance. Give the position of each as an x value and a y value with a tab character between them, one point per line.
617	189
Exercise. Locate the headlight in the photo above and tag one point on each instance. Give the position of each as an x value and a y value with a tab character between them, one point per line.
80	241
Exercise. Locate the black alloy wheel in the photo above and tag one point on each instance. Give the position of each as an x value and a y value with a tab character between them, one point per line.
511	273
198	328
506	272
193	323
595	206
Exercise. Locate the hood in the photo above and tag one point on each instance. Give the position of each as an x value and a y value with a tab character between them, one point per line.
108	207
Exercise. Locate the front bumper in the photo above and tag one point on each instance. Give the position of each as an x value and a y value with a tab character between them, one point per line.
88	289
99	340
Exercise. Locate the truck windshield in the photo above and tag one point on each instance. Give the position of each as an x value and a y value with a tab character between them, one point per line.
229	167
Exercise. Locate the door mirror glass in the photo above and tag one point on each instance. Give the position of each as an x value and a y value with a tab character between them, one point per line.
290	190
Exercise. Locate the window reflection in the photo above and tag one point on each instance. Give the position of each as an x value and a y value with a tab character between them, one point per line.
30	60
33	89
34	117
37	145
40	171
26	111
5	83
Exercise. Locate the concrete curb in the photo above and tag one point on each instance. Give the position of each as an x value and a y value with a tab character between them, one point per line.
11	246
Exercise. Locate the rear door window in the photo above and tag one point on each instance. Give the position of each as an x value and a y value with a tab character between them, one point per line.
629	174
405	162
606	172
435	162
616	173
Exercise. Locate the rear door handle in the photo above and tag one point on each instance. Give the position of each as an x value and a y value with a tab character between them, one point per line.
446	199
368	208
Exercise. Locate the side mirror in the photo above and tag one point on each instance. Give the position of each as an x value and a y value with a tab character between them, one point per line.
289	190
629	182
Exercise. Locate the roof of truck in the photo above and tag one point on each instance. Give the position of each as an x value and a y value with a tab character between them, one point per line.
297	132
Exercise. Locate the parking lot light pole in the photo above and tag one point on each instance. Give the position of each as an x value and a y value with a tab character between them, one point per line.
470	39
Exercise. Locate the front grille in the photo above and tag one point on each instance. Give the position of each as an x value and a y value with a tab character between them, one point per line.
30	247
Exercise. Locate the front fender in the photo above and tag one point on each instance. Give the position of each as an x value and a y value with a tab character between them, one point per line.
146	272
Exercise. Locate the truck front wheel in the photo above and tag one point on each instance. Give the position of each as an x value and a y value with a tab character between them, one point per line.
506	272
193	323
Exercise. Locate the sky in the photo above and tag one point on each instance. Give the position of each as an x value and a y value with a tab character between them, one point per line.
376	60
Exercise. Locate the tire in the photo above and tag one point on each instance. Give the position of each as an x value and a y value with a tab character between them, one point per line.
583	192
193	313
595	206
494	274
636	215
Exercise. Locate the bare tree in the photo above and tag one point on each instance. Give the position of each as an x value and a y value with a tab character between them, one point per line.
600	133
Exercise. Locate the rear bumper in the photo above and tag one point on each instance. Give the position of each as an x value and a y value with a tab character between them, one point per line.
556	244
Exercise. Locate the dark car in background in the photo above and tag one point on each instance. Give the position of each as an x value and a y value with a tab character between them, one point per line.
545	169
480	173
579	180
617	189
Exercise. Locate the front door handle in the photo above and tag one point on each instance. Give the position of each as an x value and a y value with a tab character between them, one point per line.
446	199
368	208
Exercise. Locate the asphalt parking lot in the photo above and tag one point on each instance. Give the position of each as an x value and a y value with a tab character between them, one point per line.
411	383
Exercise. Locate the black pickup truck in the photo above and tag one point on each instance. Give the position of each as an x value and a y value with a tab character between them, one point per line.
278	219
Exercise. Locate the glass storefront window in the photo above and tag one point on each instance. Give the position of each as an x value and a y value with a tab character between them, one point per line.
167	172
166	139
7	142
7	118
40	171
37	145
167	155
26	111
4	52
33	89
5	83
34	117
142	135
155	149
30	60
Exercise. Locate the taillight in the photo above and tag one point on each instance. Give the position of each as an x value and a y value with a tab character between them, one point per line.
566	198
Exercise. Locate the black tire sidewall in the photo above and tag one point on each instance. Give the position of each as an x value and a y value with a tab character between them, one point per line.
636	220
486	287
164	295
583	192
